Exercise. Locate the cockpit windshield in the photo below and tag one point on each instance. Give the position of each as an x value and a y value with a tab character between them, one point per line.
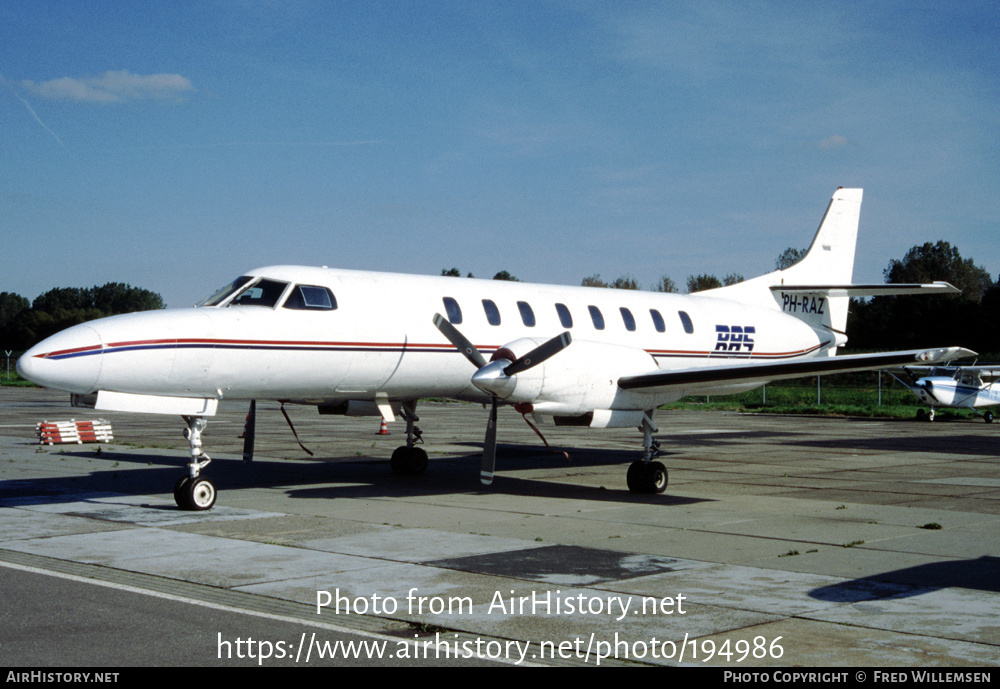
262	293
249	291
226	291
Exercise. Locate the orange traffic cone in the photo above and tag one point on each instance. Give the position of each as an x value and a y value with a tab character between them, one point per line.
383	429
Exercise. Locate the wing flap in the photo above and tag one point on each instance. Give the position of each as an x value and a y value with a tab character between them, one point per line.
769	371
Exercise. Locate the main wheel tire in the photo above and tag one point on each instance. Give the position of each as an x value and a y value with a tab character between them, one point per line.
180	492
658	478
409	461
988	417
634	477
201	494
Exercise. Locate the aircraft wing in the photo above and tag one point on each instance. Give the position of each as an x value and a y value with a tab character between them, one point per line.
767	372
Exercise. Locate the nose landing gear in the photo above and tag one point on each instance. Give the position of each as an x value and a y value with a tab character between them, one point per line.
194	492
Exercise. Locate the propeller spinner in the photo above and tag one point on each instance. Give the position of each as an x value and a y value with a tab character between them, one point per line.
496	378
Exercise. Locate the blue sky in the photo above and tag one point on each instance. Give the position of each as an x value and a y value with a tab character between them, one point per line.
175	145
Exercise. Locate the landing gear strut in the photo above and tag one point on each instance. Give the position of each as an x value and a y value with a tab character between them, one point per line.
193	492
409	460
645	475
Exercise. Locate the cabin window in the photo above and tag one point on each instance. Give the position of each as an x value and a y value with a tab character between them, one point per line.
527	315
565	317
311	298
453	310
658	323
595	315
628	319
686	322
492	312
264	293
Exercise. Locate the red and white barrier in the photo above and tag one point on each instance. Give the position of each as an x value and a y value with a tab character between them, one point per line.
58	432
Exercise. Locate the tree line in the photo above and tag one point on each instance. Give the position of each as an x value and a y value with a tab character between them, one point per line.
24	323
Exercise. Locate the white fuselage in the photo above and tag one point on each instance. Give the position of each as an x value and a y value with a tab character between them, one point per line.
945	391
380	341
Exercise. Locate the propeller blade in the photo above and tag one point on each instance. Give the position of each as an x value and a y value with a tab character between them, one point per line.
458	339
489	447
249	431
539	354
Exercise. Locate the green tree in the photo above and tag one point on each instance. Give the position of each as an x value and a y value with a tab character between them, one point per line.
63	307
700	283
625	282
116	297
929	262
910	322
504	275
593	281
665	285
10	305
789	257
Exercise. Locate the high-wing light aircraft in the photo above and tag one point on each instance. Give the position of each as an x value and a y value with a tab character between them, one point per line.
365	343
954	386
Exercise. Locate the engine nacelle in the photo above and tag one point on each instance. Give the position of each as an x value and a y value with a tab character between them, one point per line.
580	379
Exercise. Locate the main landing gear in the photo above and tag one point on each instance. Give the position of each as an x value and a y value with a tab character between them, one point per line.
645	475
194	492
409	460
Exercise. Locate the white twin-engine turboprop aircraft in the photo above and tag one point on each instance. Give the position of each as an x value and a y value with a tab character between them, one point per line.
363	343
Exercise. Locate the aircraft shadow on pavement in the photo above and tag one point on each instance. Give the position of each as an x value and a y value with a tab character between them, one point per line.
972	444
140	473
979	574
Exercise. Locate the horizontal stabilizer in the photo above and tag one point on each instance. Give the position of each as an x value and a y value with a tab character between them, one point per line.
766	372
877	290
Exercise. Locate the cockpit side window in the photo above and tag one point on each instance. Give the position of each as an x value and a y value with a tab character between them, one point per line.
226	291
311	298
263	293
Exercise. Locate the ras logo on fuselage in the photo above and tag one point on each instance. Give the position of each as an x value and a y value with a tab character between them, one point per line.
734	338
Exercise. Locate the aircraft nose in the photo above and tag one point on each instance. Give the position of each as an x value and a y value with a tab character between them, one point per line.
69	361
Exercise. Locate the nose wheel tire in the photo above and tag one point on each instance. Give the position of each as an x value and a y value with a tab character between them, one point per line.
647	477
195	494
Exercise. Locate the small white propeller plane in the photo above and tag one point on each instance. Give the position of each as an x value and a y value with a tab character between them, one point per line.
365	343
959	387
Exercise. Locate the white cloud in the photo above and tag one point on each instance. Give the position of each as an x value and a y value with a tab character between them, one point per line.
112	87
835	141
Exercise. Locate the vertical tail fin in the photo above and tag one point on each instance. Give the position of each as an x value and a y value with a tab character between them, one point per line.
830	258
828	262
